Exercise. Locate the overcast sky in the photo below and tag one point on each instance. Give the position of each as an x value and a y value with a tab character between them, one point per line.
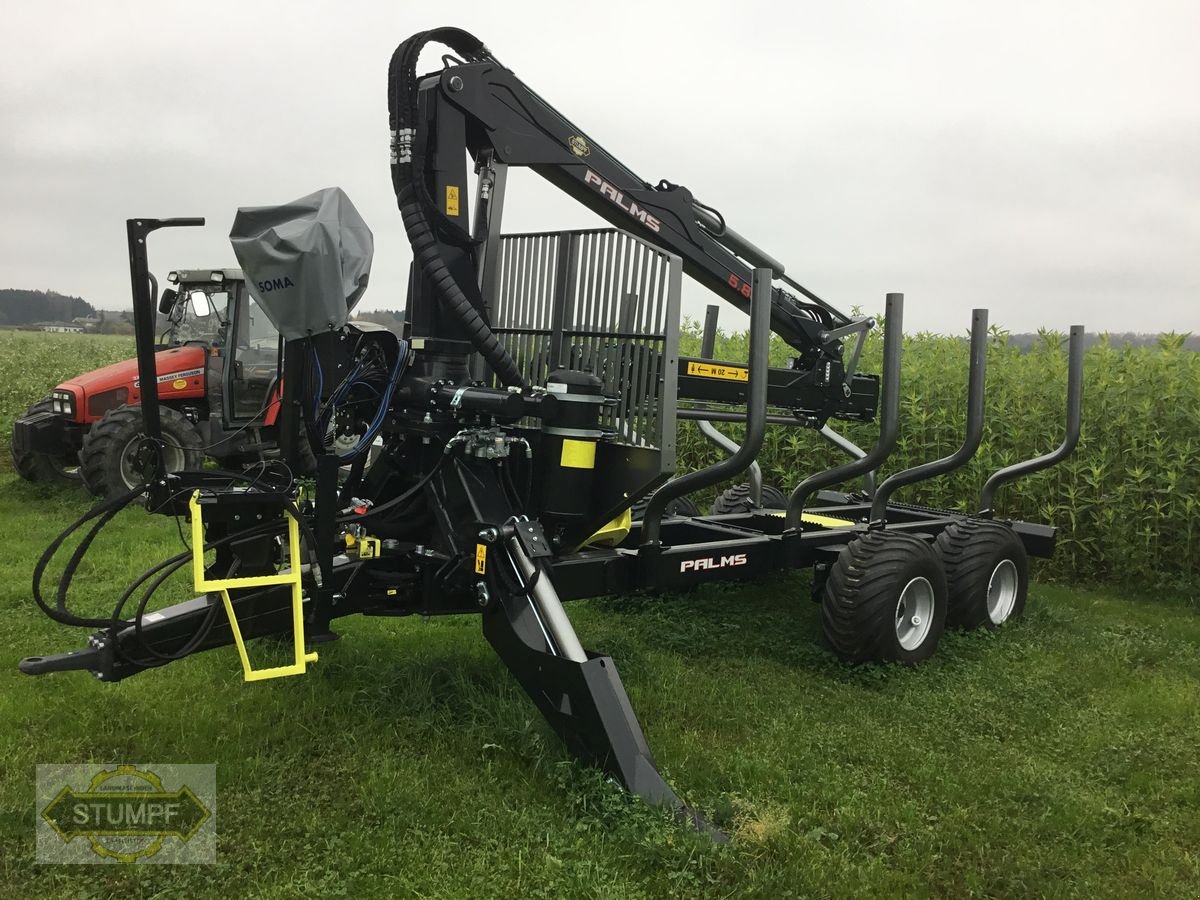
1038	158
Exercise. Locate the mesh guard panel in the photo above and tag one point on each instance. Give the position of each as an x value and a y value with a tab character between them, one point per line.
604	302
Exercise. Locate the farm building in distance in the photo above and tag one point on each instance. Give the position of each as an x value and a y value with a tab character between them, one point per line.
60	327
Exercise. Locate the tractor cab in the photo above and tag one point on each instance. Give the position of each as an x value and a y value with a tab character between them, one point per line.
217	374
211	308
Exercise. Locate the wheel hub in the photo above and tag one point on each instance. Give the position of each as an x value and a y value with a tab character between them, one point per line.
1002	591
131	471
914	613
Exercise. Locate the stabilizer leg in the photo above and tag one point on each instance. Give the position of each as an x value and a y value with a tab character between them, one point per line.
584	701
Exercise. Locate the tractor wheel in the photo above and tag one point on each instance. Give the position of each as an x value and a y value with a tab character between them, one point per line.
885	600
736	499
306	460
681	506
45	466
987	572
108	458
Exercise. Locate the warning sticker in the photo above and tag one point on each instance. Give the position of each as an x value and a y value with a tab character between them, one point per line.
481	559
452	200
715	370
578	454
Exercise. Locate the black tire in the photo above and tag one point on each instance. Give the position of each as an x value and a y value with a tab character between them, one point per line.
987	573
45	466
109	447
680	506
861	604
736	499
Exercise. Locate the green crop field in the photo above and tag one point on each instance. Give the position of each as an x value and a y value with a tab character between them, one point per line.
1056	757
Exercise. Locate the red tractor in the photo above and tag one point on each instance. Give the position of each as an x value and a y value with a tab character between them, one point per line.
217	370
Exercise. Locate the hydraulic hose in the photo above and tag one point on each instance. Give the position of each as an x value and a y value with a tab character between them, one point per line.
104	510
414	205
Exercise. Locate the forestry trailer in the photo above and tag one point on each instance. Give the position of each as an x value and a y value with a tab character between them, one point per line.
531	401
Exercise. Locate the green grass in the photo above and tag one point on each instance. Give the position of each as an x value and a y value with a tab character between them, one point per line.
1055	758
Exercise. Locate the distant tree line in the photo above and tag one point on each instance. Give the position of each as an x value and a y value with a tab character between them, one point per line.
391	319
19	307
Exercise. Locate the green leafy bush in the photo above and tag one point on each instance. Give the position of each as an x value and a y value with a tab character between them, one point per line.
1127	503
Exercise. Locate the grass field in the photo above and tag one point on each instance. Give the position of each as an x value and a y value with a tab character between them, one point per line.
1055	758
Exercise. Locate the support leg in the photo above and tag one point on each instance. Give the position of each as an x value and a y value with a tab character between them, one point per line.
584	701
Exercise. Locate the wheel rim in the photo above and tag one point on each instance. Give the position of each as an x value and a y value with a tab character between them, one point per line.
1002	591
914	613
132	476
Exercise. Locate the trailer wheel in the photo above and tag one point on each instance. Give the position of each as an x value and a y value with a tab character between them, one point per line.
885	600
987	572
736	499
44	466
108	457
680	506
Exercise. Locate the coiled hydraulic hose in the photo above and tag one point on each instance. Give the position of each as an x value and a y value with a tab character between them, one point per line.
411	192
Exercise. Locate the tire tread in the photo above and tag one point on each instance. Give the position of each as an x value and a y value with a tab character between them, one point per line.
859	600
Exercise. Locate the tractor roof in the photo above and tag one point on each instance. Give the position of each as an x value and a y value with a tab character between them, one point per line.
194	275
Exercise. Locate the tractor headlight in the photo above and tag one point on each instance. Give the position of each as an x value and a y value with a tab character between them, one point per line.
63	403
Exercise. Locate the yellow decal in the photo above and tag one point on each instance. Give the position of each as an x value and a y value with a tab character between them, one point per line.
179	384
578	454
579	146
481	559
711	370
814	519
452	200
